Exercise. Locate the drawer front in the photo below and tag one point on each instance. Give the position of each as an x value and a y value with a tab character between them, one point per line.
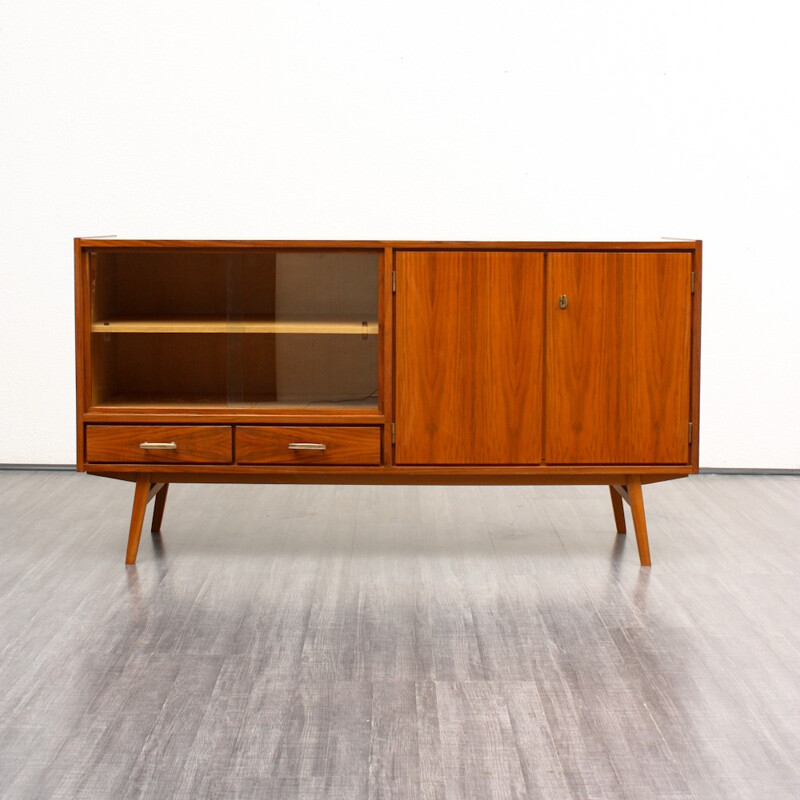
159	444
308	445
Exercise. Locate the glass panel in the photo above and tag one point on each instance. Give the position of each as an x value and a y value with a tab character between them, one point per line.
310	338
159	369
241	329
158	328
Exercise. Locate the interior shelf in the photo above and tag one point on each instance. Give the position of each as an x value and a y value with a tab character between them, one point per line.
214	325
222	401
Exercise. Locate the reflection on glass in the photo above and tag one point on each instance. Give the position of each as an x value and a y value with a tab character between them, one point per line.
250	328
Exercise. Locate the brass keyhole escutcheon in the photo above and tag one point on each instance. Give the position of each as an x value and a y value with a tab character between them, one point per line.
562	302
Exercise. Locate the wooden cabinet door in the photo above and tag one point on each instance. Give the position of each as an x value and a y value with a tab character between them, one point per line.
618	358
469	353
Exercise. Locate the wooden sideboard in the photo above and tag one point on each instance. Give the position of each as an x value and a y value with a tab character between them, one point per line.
388	362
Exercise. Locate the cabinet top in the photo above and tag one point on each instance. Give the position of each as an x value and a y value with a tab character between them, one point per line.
350	244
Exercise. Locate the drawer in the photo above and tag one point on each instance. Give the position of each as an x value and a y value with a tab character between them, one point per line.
159	444
276	444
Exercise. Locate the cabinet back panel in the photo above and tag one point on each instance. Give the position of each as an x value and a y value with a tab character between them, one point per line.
155	368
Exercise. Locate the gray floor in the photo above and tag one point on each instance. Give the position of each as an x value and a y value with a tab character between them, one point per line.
354	642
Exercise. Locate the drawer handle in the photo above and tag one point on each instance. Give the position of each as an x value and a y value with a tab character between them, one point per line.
158	446
306	446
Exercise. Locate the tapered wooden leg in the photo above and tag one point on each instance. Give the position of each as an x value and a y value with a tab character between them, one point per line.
619	511
158	511
639	523
140	498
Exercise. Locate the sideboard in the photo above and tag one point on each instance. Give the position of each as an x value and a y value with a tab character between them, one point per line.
388	362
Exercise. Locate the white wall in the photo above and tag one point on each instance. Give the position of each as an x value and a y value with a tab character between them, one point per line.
505	120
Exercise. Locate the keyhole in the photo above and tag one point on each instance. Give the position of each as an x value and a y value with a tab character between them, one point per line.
562	302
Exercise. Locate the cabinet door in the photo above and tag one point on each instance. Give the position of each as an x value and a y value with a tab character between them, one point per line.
253	328
469	352
618	358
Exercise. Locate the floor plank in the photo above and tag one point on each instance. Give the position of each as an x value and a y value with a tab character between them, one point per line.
409	642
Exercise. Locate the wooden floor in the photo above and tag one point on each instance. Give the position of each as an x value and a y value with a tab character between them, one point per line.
375	642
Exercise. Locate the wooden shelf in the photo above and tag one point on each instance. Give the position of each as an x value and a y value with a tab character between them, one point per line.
140	401
212	325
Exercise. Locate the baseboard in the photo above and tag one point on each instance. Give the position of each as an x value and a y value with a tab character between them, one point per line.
49	467
746	471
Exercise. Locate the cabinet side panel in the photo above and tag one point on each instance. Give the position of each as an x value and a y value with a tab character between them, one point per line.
468	343
618	358
696	314
80	354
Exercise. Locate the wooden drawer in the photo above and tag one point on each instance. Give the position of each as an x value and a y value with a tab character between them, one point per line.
174	444
276	444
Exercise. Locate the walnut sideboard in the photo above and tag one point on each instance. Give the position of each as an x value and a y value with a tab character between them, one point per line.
388	362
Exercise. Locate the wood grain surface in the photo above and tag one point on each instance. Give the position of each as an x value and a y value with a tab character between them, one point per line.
204	444
469	357
269	444
200	245
211	325
618	358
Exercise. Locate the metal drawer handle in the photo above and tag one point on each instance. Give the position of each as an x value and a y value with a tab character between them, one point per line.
158	446
306	446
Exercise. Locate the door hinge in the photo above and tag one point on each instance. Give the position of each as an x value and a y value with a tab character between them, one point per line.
693	283
393	433
394	281
690	432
